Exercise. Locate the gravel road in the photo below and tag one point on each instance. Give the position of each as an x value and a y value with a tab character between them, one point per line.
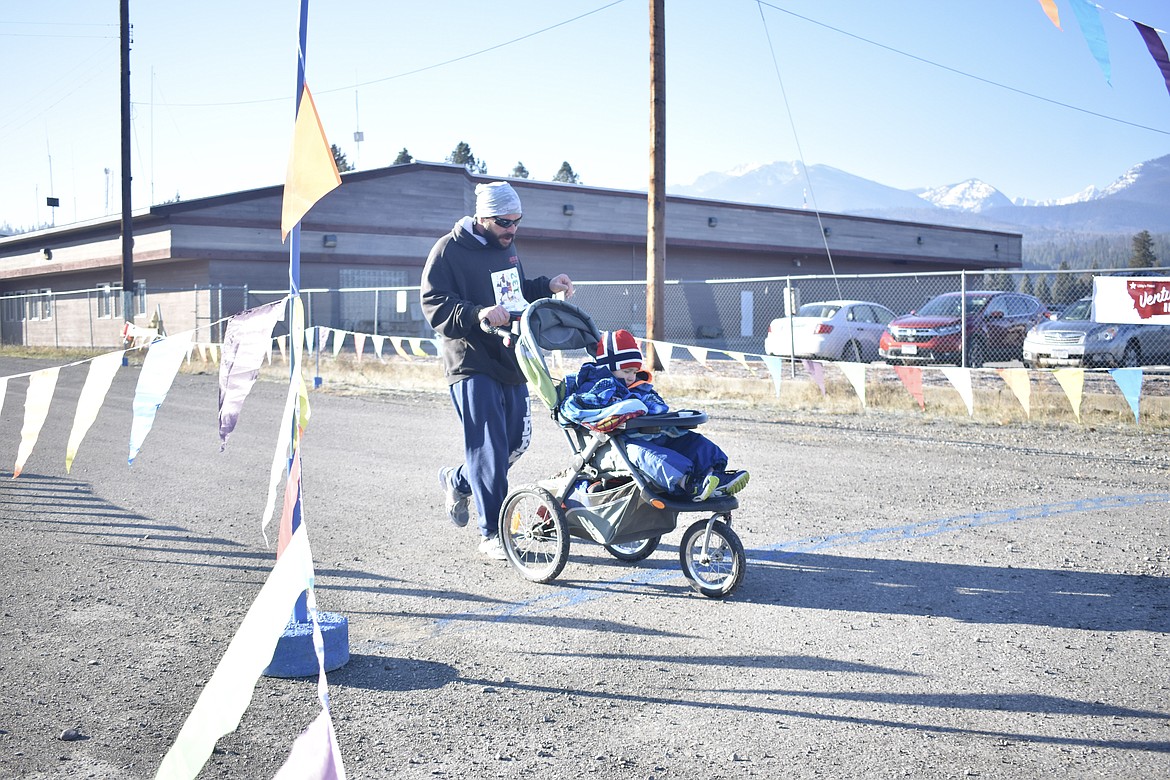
924	598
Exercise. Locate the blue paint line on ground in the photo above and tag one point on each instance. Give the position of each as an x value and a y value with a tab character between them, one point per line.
565	598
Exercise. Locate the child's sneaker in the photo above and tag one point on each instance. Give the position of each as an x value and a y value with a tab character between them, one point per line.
731	482
705	488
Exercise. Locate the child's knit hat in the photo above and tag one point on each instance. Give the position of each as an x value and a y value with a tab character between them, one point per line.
618	349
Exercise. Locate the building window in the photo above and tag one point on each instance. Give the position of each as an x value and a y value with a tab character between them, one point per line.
46	304
109	301
14	306
139	297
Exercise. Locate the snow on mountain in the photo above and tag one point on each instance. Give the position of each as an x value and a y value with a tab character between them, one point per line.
791	185
1135	201
971	195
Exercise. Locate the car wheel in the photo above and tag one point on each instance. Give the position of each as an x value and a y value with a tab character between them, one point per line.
852	352
976	354
1132	356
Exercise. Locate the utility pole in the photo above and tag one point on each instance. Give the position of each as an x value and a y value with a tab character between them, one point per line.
656	193
127	227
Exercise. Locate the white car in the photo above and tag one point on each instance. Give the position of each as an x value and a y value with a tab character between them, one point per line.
830	330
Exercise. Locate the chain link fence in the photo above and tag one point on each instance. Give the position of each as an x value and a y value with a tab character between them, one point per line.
725	314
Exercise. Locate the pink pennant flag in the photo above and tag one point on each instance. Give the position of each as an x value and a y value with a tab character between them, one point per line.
816	369
911	377
247	339
292	494
359	344
315	754
312	171
1157	50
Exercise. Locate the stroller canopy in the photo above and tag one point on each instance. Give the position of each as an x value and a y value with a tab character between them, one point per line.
551	324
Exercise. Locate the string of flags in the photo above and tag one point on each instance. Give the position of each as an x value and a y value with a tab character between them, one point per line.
248	344
1089	20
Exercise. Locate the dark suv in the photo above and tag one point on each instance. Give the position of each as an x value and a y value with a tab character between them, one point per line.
996	325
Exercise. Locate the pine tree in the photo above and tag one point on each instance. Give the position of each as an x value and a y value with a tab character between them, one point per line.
1143	251
566	176
519	172
462	155
1063	287
1041	290
1026	284
339	158
403	157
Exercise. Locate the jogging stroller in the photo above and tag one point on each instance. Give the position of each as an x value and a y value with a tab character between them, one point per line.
600	496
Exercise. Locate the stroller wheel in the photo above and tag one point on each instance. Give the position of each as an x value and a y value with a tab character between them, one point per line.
534	534
714	563
634	551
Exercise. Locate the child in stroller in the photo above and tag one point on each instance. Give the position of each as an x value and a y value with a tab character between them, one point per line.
680	462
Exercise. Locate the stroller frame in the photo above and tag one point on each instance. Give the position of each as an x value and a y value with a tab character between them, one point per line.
600	496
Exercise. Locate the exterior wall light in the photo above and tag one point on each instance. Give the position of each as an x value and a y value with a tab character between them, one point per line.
567	209
329	240
712	221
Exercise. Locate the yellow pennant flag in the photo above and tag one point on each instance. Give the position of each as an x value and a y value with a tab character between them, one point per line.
36	408
1017	379
312	171
1072	380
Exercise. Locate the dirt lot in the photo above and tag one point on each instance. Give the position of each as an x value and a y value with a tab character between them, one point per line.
925	598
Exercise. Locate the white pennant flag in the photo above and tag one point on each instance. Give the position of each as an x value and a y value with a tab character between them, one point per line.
41	385
960	379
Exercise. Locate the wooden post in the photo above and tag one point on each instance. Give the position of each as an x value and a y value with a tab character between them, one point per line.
656	193
127	226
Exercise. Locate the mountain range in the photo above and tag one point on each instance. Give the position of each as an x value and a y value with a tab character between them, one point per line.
1138	200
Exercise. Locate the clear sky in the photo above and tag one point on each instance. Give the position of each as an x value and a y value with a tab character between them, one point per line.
915	93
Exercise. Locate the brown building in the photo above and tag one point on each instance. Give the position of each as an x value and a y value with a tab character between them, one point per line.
193	260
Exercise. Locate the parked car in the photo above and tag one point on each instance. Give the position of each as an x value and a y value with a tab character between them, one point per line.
1076	340
830	330
997	323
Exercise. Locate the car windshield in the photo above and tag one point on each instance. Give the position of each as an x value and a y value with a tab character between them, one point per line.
1081	310
818	310
950	305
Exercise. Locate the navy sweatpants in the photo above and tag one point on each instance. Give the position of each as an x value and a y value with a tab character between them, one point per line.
497	427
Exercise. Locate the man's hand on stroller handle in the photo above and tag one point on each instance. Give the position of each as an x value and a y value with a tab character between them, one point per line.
561	283
495	316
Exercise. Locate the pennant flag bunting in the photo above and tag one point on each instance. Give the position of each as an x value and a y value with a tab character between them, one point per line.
246	339
855	373
911	377
1072	381
292	494
315	754
699	354
379	342
97	384
740	358
1129	381
1094	32
310	336
816	369
3	390
1052	12
1017	380
41	385
960	379
158	372
223	700
312	171
775	369
338	340
1157	50
664	351
397	342
359	345
280	345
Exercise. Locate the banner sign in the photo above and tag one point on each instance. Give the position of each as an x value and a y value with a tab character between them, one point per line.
1137	300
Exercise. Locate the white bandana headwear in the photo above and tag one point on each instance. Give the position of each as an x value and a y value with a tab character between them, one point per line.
495	199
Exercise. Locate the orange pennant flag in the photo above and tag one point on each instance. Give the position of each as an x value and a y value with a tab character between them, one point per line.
312	171
1053	13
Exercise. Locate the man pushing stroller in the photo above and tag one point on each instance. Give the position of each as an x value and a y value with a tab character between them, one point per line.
605	393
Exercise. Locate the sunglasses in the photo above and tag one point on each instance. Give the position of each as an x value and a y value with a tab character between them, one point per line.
506	223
